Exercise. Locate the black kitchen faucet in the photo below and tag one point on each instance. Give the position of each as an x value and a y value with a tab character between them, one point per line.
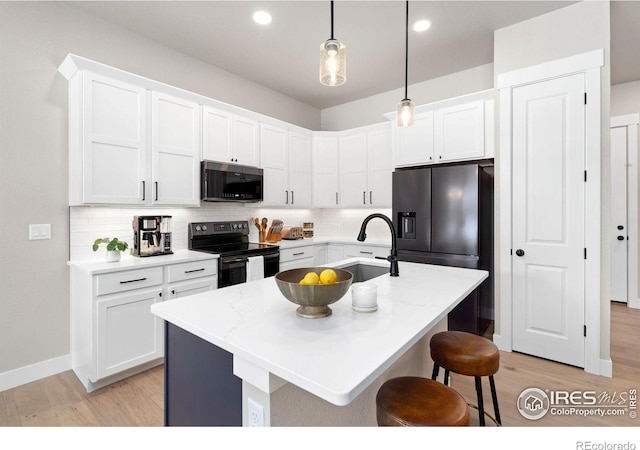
393	257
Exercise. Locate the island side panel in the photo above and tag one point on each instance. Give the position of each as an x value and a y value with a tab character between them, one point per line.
292	406
200	388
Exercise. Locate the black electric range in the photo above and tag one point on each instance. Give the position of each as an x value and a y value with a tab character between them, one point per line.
230	240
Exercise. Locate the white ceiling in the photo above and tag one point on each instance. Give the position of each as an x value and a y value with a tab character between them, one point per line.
283	56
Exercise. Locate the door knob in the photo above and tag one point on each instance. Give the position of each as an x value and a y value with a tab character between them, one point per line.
620	227
621	238
520	252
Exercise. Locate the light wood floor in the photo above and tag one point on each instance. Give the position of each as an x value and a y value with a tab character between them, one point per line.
61	400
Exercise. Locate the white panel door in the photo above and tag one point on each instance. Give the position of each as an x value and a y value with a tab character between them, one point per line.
246	138
273	152
217	135
618	233
459	132
415	144
175	151
549	219
115	152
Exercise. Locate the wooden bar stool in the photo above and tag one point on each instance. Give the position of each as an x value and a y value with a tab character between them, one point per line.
471	355
417	401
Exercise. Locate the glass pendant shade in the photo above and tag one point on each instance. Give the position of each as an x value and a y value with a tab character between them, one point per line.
406	113
333	63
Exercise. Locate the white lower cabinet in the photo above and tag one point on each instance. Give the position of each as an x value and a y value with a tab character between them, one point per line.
113	332
365	251
127	334
297	257
321	254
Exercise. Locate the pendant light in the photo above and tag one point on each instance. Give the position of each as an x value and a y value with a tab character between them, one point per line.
333	60
406	107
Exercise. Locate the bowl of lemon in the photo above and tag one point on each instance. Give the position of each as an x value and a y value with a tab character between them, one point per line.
313	289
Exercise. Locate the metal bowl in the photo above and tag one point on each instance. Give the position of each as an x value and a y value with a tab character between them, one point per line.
313	298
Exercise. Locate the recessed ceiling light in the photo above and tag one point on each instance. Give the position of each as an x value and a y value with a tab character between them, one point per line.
262	17
421	25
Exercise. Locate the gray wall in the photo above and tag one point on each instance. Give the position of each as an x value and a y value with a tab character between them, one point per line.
34	39
568	31
371	110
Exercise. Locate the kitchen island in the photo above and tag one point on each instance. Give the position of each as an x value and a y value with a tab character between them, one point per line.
297	371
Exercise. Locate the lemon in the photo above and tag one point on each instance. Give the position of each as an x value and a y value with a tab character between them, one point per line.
310	278
328	276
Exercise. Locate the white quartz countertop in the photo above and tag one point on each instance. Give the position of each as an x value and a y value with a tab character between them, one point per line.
285	243
128	262
334	358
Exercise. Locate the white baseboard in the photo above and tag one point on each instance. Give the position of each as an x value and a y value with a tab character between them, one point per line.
606	368
27	374
502	344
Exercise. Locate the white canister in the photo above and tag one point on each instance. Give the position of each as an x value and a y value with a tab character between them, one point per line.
364	297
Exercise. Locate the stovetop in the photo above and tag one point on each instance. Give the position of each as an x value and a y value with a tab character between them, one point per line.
225	239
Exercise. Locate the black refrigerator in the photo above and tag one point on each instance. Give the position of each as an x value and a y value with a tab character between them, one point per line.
444	215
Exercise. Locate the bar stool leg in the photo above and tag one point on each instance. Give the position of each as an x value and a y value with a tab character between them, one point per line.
480	401
494	396
446	377
436	370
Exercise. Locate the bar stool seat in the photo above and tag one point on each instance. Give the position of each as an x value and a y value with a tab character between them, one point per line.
417	401
467	354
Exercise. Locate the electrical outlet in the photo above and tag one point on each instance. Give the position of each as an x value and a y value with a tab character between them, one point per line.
39	231
256	413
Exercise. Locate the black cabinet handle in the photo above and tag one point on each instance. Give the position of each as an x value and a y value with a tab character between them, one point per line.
366	253
371	197
194	270
156	191
364	197
287	202
520	252
133	281
298	254
336	198
621	238
292	199
144	191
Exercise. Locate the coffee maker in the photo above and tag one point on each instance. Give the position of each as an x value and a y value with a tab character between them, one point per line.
151	235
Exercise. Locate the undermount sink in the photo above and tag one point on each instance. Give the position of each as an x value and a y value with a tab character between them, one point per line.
363	272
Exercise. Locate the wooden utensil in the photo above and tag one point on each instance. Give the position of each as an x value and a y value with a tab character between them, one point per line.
256	222
264	223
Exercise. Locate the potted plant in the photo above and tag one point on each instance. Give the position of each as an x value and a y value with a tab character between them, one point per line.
114	247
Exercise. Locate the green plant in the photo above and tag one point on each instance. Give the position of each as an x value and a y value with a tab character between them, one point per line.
112	244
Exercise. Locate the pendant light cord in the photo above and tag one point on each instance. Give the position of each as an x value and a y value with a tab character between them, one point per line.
331	20
406	54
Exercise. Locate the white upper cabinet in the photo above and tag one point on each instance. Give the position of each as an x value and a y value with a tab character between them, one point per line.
228	138
415	144
451	130
366	167
459	132
325	165
175	151
108	142
286	162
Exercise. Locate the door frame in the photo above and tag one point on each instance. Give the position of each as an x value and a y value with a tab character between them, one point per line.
588	63
630	122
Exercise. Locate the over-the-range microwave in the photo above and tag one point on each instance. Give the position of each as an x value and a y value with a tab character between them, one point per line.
220	182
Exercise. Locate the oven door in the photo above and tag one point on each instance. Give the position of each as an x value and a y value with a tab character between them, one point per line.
232	270
271	264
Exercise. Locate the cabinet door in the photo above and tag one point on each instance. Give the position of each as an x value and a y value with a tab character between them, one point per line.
353	170
300	169
216	135
127	333
335	252
115	152
246	134
325	172
379	168
414	145
273	153
459	132
320	254
175	145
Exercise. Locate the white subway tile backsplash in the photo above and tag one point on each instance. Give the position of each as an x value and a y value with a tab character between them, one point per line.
89	223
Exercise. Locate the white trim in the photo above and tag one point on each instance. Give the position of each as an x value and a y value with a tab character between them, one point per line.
626	120
503	336
590	64
552	69
34	372
593	233
606	368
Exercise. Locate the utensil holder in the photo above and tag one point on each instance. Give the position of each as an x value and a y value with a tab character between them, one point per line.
262	235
